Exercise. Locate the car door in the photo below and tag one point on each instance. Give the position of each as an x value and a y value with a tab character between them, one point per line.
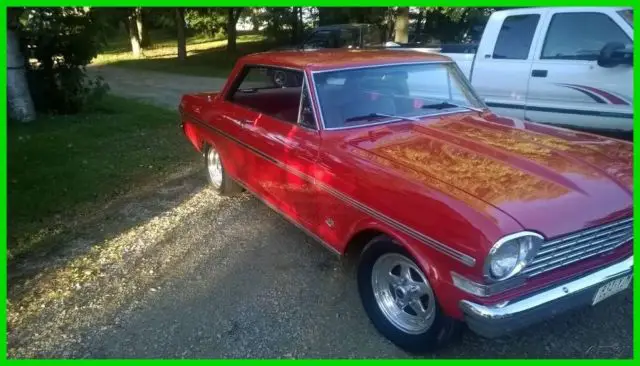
567	85
501	74
284	144
294	144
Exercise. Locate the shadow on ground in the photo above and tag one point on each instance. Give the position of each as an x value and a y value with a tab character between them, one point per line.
229	278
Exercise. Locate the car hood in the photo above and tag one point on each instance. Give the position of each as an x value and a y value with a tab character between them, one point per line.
550	180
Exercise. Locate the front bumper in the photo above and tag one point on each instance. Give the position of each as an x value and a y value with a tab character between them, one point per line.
496	320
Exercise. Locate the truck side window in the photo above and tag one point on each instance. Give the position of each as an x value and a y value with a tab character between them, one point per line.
348	38
515	37
580	36
320	39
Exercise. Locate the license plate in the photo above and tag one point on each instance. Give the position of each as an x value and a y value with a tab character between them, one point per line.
611	288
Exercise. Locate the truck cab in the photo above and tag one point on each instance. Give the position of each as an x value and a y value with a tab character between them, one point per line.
569	66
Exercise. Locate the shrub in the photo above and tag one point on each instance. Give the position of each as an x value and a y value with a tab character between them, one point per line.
60	42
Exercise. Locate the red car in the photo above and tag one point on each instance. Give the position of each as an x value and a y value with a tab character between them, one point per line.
457	214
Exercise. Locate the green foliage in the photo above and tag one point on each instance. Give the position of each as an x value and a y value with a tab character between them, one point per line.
60	42
209	22
454	24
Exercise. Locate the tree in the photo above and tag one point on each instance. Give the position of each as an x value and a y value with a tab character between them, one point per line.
296	24
132	28
62	40
182	42
233	14
19	100
256	18
402	25
419	18
143	29
206	21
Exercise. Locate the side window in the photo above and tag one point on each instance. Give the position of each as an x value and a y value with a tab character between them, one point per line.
371	36
515	37
319	39
348	38
272	91
580	36
306	118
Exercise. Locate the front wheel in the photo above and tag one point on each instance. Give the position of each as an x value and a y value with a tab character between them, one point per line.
399	300
217	175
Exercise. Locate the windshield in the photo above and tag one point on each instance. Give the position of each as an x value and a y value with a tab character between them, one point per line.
627	15
356	97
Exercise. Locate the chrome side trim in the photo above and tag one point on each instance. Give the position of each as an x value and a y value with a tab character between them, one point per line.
464	258
518	307
451	252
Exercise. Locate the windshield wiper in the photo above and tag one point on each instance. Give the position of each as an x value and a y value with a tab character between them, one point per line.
447	105
378	115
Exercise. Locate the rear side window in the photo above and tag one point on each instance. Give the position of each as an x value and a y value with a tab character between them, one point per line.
580	36
515	37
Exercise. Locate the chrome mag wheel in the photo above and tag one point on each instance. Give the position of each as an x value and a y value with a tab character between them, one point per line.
214	166
403	293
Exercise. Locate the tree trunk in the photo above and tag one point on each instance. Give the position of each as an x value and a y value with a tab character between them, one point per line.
300	19
389	20
19	100
182	42
419	22
143	30
255	19
132	27
232	34
402	25
294	25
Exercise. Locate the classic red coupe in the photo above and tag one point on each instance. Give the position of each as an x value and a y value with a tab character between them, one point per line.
457	214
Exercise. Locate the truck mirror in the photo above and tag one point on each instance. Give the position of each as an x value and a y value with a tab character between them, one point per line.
614	54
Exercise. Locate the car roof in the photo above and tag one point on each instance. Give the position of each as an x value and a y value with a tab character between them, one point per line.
339	58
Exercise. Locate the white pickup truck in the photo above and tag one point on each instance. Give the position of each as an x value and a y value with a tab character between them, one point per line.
570	66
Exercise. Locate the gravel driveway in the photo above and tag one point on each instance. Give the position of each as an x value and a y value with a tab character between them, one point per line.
174	271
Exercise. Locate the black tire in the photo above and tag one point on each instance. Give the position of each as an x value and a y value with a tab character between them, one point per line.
225	186
442	331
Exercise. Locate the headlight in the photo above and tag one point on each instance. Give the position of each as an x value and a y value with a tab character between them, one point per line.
511	254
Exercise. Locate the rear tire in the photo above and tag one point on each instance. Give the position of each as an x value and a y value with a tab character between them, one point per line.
218	178
399	300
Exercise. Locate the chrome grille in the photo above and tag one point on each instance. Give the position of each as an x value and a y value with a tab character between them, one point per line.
562	251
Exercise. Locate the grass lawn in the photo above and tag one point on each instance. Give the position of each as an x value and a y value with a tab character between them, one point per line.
58	165
205	56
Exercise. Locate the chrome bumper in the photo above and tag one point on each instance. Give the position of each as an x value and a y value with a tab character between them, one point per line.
496	320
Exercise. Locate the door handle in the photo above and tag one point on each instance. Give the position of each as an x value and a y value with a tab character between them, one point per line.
539	73
245	122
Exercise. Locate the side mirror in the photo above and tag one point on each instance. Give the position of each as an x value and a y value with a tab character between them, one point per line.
614	54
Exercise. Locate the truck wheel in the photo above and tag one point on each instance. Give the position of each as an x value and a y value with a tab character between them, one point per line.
399	300
218	177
